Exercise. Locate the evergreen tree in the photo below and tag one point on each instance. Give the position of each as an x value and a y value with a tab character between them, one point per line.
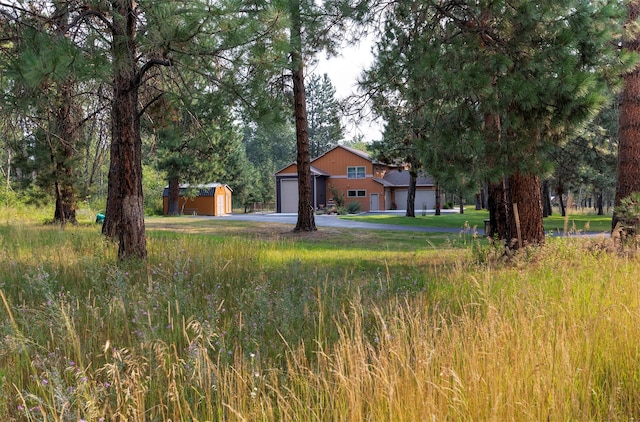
323	112
269	146
628	171
47	66
191	140
314	26
141	39
504	82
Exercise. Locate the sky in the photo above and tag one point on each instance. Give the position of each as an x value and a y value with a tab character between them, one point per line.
344	71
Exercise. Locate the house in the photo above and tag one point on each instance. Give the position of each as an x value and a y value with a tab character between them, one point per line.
359	178
210	199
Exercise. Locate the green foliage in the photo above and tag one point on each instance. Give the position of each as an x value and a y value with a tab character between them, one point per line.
353	207
269	146
627	215
323	114
543	69
338	197
153	182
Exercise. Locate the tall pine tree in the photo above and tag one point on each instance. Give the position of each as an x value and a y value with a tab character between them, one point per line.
323	112
628	171
506	81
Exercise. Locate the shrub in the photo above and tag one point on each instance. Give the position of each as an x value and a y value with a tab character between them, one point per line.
338	197
353	207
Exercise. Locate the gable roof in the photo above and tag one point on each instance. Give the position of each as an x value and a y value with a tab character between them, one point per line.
314	170
208	189
358	152
399	178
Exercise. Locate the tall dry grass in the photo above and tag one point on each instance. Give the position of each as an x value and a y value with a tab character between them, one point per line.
244	330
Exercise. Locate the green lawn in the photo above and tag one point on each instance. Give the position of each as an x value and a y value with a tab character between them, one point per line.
556	223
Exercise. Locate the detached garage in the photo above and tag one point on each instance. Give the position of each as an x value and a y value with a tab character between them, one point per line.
287	189
210	199
399	183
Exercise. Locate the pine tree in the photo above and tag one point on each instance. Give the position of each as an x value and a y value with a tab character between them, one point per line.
46	65
628	171
314	26
504	82
325	129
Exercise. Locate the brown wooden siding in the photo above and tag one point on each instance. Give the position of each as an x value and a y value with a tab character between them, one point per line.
202	205
336	162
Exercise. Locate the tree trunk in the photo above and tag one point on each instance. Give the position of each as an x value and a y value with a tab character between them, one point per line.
411	193
498	211
63	146
8	184
438	200
306	212
496	190
174	196
547	210
125	208
599	203
628	170
63	155
461	200
525	192
479	200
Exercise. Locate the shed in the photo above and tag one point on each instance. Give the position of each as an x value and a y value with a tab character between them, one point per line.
211	199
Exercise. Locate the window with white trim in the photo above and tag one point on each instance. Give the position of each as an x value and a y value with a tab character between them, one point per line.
356	172
356	193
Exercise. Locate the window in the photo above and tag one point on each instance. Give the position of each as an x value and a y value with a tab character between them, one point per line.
356	193
355	172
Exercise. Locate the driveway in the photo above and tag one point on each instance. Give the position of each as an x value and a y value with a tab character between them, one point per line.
334	221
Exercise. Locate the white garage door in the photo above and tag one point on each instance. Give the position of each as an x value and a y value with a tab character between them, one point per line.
289	196
401	199
424	198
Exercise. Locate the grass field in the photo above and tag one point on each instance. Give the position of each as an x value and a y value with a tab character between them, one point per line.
231	321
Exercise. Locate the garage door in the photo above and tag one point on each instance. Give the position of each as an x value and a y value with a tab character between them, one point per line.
289	196
401	199
424	198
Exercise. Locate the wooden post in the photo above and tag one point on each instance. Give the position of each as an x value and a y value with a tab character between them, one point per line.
516	216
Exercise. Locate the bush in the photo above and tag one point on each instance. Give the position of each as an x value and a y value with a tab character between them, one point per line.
338	197
353	207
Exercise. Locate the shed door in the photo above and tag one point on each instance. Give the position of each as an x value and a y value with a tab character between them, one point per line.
289	196
220	205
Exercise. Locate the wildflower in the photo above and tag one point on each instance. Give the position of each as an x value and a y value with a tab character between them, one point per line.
20	408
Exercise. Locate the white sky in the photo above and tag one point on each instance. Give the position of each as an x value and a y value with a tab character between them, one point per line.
344	71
